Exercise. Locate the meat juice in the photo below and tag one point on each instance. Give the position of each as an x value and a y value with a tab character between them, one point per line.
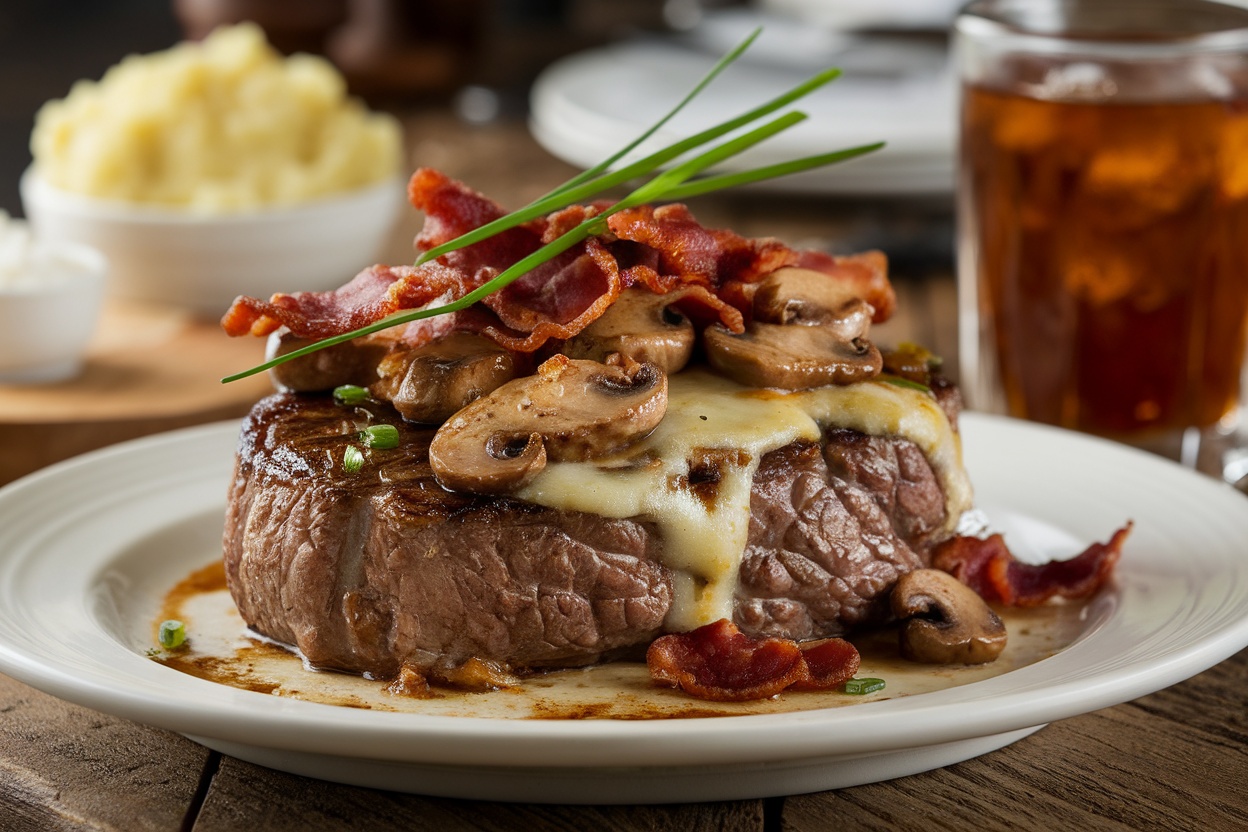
1112	257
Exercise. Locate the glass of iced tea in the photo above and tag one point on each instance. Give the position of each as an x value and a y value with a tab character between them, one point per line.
1103	215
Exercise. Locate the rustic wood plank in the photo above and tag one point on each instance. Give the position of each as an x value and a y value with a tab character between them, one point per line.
1174	760
63	767
148	369
246	795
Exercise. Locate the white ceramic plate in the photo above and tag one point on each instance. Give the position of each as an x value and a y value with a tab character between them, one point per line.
89	547
587	106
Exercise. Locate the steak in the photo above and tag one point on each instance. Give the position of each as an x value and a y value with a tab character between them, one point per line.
372	570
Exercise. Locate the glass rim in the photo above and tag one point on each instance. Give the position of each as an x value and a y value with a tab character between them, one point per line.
987	19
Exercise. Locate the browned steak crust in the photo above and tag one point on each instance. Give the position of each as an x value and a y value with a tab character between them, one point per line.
366	571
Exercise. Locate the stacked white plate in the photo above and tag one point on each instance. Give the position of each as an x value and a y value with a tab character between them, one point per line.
895	89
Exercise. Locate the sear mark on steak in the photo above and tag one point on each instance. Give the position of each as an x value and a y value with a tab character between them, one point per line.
369	571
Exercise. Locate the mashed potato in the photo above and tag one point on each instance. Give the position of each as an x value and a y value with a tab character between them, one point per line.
219	126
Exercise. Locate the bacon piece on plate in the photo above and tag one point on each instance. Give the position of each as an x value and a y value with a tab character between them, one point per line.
830	663
719	662
987	566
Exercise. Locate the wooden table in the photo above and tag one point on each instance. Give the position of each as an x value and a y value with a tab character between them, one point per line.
1177	759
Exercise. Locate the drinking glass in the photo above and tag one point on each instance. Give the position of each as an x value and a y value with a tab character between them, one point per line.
1103	217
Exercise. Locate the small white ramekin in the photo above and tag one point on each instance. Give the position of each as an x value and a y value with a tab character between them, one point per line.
47	320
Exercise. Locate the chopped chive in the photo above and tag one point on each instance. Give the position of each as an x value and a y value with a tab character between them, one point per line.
350	394
382	437
172	634
860	687
352	459
675	183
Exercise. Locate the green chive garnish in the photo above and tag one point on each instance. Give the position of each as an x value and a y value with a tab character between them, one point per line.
860	687
350	394
352	459
383	437
898	381
172	634
680	182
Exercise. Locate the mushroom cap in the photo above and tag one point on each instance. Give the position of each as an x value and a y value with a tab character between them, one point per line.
802	296
430	383
808	331
945	621
351	362
641	325
571	409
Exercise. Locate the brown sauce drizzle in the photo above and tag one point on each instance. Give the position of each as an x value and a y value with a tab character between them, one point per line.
219	649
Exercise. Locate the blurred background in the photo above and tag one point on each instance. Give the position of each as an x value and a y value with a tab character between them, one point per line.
579	76
511	97
397	53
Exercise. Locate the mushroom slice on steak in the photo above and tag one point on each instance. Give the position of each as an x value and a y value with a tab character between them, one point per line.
808	331
642	325
571	409
431	383
350	362
946	621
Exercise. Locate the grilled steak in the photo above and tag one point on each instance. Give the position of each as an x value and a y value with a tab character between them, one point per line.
371	570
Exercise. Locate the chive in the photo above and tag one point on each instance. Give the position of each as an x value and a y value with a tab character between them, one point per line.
350	394
748	177
898	381
605	164
352	459
382	437
679	182
578	189
860	687
172	634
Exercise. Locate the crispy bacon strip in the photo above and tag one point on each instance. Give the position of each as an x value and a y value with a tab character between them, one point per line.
987	566
315	314
719	662
558	299
663	248
688	253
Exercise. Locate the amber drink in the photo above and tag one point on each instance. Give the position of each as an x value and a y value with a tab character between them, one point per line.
1104	213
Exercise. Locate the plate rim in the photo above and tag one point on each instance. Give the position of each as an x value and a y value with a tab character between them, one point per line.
314	727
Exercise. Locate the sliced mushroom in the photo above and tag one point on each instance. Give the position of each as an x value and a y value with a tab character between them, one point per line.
351	362
431	383
642	325
804	297
945	621
808	331
571	409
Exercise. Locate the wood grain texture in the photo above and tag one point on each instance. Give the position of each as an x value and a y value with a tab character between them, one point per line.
148	370
243	795
1174	760
63	767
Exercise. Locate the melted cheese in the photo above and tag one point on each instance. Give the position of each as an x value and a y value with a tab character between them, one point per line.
704	539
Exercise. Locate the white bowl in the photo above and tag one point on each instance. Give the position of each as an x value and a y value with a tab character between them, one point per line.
202	262
47	321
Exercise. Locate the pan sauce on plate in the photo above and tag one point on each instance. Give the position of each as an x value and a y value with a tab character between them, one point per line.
220	650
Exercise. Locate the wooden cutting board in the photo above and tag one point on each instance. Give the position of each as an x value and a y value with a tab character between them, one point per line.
148	369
